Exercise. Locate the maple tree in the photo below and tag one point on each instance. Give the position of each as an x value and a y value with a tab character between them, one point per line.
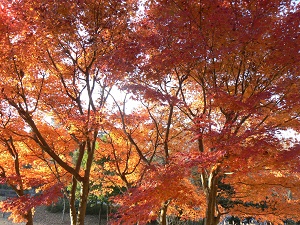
215	81
55	77
231	67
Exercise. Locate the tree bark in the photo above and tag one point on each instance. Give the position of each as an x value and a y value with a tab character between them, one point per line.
64	209
85	184
84	193
107	211
73	212
100	213
163	214
29	218
209	182
212	217
210	186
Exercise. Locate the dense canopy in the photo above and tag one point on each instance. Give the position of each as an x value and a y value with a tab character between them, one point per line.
175	110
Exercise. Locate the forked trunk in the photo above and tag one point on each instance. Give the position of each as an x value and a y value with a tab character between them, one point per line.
77	218
212	217
85	184
210	186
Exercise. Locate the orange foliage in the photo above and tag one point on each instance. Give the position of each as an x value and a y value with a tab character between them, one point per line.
216	81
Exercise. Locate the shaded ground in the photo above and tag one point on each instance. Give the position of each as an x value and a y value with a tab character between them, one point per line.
43	217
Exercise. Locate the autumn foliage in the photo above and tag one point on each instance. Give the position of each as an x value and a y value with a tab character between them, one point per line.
178	110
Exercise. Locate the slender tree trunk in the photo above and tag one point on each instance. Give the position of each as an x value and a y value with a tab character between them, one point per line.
100	213
29	218
64	208
83	202
73	212
107	211
163	214
85	184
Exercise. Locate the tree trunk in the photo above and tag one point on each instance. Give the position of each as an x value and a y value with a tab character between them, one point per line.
29	218
210	186
85	184
64	209
212	217
107	211
83	202
100	213
73	212
163	214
